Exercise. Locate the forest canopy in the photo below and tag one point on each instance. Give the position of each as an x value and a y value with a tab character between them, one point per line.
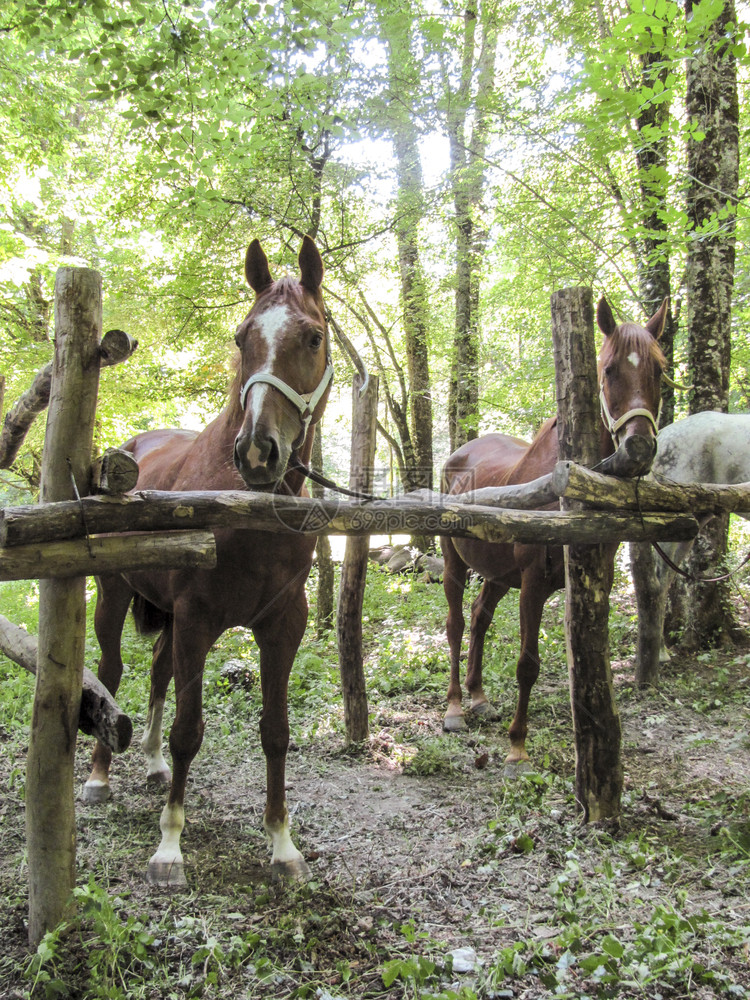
455	162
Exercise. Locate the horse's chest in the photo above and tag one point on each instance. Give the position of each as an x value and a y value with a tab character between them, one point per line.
256	569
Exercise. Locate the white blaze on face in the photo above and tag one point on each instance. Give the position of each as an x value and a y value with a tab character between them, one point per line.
634	359
270	324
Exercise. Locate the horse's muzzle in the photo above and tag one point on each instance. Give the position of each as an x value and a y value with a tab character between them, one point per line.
633	458
261	459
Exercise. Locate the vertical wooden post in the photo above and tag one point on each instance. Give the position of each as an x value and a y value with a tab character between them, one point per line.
588	569
324	613
50	812
354	568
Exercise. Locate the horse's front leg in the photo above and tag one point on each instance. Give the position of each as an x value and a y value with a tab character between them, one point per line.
482	612
278	641
454	584
190	645
112	602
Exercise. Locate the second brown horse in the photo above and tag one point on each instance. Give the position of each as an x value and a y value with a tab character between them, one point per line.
630	366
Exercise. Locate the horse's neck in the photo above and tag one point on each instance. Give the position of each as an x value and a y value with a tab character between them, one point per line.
543	452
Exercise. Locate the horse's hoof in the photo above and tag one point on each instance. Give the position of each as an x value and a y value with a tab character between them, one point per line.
95	792
166	874
454	724
485	711
291	871
515	768
159	779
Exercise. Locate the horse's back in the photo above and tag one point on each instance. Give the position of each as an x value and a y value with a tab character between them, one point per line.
485	461
160	455
707	447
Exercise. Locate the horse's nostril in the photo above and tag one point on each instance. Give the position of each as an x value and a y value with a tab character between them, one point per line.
273	451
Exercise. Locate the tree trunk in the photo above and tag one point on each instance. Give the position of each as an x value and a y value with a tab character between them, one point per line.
588	570
651	152
713	177
410	212
354	568
50	812
467	178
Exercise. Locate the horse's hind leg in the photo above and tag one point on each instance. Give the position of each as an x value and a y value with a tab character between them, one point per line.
482	612
454	584
157	769
536	588
112	603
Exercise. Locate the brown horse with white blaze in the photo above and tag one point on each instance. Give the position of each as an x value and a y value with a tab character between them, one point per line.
630	366
279	394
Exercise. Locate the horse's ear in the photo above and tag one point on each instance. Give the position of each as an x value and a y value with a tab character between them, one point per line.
656	324
310	265
256	268
604	318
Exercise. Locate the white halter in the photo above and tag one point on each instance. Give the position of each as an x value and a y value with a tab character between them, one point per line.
613	426
306	403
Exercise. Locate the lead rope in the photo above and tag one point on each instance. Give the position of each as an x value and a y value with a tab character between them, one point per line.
691	576
685	574
321	480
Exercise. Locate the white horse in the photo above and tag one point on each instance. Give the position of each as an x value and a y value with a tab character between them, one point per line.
707	447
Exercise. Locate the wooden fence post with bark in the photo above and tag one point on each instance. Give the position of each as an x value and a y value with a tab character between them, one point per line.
596	721
50	812
354	567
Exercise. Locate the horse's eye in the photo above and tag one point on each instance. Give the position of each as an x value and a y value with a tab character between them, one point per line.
238	340
316	340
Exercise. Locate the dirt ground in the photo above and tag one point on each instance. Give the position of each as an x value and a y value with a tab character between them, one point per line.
464	856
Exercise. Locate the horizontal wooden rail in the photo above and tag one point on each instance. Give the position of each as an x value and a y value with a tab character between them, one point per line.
597	491
439	515
97	555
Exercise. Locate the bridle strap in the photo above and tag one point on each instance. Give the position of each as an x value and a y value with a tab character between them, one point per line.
305	403
613	426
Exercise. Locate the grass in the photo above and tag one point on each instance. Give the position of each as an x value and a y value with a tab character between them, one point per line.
460	858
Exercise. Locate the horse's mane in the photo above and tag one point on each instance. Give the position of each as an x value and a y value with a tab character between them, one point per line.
627	339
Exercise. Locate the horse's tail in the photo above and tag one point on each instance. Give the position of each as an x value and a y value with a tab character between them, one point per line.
148	618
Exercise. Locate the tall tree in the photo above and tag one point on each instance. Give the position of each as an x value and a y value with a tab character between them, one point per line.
711	195
467	126
410	211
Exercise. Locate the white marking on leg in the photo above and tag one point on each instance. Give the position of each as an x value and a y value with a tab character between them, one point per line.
284	850
171	823
151	741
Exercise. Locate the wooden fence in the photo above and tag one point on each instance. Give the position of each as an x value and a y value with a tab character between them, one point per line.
60	540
